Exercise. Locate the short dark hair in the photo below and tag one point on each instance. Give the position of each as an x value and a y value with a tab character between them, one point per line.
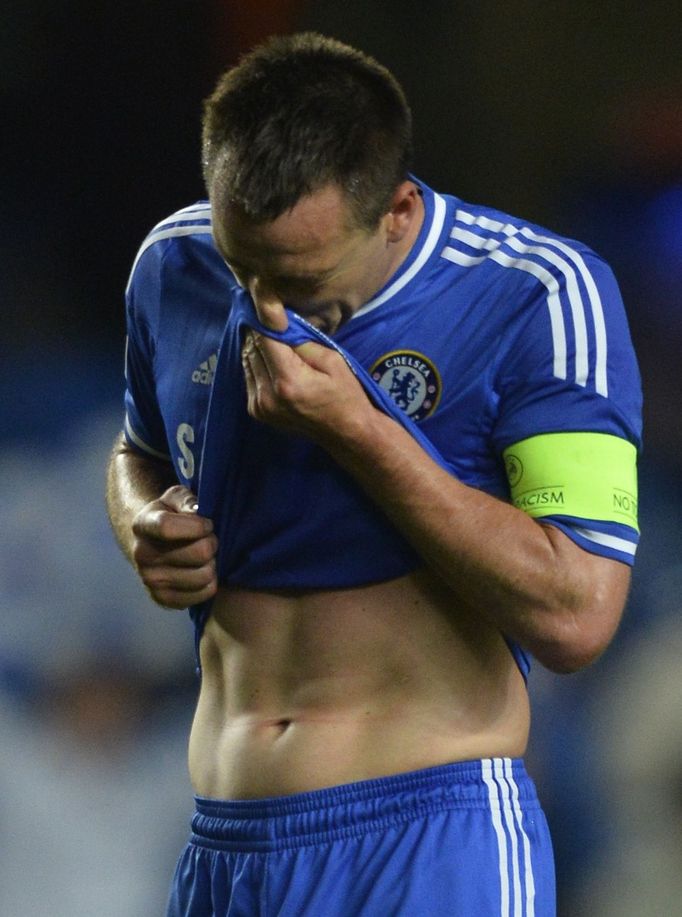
302	111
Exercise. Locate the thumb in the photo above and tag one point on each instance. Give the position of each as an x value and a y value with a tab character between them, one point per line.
180	499
318	356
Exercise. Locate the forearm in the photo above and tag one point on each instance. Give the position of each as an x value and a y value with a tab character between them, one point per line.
538	587
530	580
132	482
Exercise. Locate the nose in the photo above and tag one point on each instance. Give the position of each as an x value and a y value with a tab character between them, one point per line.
269	307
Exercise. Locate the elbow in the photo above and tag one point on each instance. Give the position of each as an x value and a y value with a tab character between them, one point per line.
567	660
576	621
573	642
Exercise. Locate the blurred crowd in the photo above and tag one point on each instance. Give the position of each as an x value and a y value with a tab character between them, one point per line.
567	114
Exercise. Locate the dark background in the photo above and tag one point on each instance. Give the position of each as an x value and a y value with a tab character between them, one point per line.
568	114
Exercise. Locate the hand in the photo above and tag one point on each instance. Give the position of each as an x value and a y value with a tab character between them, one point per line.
174	550
308	389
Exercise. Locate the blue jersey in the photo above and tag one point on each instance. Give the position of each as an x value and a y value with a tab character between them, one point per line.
493	334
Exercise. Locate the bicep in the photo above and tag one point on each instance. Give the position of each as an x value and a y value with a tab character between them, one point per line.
135	478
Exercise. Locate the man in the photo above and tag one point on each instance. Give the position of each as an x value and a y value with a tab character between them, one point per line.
371	574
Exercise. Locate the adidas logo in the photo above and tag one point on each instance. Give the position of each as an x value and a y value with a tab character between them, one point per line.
204	372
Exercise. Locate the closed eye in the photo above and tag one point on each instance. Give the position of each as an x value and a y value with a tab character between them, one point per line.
300	285
283	284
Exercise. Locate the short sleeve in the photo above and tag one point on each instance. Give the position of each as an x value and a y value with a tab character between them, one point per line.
569	368
144	427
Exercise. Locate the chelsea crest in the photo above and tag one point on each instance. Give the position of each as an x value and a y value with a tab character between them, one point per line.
411	380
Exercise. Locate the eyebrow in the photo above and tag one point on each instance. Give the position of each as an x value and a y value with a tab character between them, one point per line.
312	278
318	277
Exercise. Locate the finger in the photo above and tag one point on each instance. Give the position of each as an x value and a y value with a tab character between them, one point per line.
269	307
291	369
250	379
253	354
259	382
174	554
180	499
324	359
163	525
279	360
172	579
181	599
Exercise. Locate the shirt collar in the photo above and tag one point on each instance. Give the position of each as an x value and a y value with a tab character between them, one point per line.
424	246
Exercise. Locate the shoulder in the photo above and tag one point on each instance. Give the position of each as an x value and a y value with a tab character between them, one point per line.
481	235
186	228
550	286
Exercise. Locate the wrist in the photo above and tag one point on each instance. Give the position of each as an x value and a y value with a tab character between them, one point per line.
360	440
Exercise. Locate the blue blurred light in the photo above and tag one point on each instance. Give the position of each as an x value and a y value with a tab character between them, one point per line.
663	227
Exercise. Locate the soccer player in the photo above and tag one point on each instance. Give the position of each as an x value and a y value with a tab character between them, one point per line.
383	443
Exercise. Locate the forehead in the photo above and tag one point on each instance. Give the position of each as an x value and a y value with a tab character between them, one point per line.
317	228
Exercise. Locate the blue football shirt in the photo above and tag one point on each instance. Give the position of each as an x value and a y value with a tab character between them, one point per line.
504	346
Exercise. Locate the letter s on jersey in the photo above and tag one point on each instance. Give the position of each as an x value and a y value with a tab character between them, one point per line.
183	437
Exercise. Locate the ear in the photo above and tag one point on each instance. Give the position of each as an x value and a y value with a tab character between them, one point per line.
406	207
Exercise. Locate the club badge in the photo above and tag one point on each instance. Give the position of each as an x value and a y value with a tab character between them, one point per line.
411	380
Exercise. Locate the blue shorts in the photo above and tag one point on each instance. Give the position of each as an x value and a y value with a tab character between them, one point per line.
463	840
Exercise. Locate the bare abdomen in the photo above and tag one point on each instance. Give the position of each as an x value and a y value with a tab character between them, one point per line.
305	691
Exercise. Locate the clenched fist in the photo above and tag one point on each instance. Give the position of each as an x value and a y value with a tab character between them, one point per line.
174	550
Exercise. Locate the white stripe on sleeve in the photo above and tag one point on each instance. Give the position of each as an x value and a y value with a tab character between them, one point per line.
575	297
609	541
556	317
543	252
191	230
597	308
142	444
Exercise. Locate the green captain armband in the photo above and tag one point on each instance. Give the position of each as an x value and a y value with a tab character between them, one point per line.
586	475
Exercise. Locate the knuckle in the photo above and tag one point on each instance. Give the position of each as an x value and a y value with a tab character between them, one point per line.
200	579
260	408
205	550
165	526
141	522
206	593
140	552
177	498
168	599
211	576
177	491
151	578
176	597
284	389
333	361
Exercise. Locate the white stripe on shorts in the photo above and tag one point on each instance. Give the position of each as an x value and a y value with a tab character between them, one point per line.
527	864
512	844
498	771
494	799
